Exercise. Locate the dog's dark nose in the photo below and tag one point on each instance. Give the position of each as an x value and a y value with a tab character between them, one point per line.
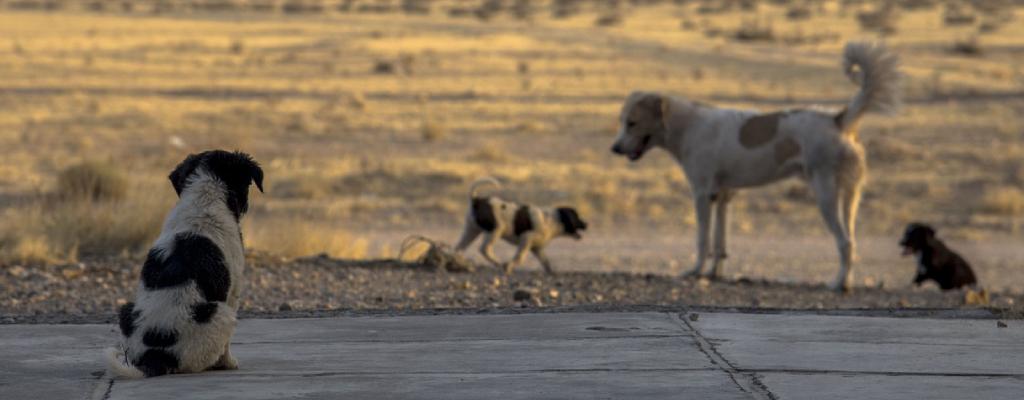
617	149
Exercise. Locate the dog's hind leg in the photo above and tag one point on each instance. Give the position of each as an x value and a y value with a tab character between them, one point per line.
851	201
487	247
702	204
851	180
827	191
468	236
226	360
721	230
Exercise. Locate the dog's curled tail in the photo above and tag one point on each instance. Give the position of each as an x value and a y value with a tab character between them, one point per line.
481	182
876	70
118	366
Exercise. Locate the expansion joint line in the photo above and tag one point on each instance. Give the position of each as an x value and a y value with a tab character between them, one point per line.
746	381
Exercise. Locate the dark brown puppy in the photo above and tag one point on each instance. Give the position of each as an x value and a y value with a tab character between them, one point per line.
935	261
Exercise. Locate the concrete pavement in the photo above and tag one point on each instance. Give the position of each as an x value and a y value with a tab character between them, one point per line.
632	355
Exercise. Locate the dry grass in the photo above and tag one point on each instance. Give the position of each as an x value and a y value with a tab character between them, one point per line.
292	239
1006	201
63	230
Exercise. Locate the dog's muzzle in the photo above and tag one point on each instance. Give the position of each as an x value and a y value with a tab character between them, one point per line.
635	154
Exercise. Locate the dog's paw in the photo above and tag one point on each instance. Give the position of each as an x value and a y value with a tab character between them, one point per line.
692	273
839	286
225	364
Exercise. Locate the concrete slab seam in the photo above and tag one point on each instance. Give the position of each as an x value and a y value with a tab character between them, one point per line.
104	388
747	382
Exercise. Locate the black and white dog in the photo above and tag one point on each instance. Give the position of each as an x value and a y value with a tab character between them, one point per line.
528	227
183	316
935	261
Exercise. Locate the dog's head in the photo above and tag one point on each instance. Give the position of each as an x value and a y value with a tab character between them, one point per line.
235	170
916	238
571	222
641	121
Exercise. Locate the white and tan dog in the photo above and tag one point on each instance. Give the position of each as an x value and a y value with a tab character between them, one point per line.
183	316
722	150
529	228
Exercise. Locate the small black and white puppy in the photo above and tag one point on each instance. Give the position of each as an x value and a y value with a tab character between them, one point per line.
935	261
528	227
183	316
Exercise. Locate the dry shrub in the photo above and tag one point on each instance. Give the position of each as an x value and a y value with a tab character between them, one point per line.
419	7
755	30
432	131
883	20
55	231
524	10
91	180
489	152
293	238
798	12
969	46
302	7
565	8
1005	200
957	16
609	19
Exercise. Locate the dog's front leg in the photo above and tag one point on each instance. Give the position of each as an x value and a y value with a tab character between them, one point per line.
539	253
702	204
521	251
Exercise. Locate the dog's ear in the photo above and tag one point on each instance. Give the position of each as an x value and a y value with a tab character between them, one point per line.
184	169
237	171
255	173
655	104
928	231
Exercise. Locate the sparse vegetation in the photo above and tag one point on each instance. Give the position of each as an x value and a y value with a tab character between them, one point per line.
91	181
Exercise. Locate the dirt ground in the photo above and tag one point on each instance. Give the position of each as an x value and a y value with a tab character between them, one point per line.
92	292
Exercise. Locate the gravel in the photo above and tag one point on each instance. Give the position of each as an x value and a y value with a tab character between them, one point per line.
90	292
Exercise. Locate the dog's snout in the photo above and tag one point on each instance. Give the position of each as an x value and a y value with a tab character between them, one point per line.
617	148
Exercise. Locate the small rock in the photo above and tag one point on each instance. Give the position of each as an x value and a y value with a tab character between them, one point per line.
521	295
694	317
284	307
17	271
1000	324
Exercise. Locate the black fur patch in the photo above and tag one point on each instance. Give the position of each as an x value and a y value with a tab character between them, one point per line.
126	319
571	221
203	312
156	362
484	214
236	169
194	258
156	337
521	222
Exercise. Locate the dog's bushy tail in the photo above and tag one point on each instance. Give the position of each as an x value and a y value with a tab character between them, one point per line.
481	182
876	70
118	366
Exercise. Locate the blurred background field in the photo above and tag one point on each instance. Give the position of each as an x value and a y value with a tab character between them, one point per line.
371	118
